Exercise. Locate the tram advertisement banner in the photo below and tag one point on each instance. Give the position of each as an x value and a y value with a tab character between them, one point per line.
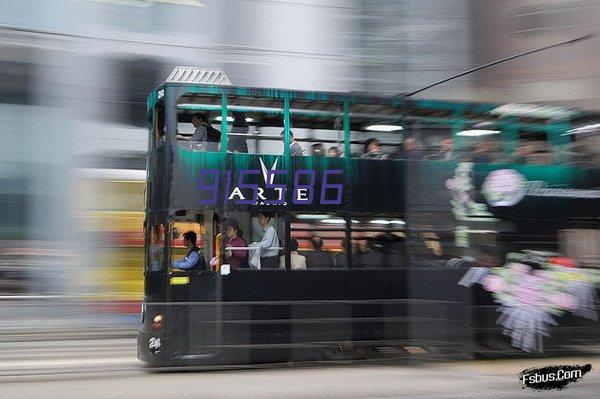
249	182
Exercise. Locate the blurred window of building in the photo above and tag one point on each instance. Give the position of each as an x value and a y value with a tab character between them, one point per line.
537	18
17	76
134	78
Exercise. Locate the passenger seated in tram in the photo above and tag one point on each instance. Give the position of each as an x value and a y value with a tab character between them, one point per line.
333	152
237	258
318	259
238	143
194	259
295	149
297	261
372	150
340	260
370	257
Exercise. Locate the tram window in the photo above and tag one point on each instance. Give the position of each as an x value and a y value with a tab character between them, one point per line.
317	127
427	141
158	123
156	248
321	241
378	241
376	131
532	148
433	239
254	124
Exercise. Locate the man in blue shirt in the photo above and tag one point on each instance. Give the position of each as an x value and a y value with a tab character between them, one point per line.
194	258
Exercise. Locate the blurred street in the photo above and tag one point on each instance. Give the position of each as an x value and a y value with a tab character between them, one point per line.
119	376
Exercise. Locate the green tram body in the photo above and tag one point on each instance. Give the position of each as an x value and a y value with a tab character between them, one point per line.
282	315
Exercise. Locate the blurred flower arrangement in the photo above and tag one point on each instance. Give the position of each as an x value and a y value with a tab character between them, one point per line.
461	186
530	299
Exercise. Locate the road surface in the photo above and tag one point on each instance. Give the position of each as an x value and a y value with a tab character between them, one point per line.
107	369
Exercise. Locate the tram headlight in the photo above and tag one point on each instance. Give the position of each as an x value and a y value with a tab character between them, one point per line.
157	322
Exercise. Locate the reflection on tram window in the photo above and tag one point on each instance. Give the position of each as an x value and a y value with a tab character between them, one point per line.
532	148
378	242
156	249
432	244
582	244
584	149
319	237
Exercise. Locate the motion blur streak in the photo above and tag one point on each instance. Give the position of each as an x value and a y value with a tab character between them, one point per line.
74	75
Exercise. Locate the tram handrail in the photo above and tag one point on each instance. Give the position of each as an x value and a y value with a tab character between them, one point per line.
252	248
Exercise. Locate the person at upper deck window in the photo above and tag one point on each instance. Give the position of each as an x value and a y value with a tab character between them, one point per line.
297	261
269	245
240	126
413	149
333	152
194	258
318	259
200	132
204	132
445	152
372	150
318	150
237	258
295	149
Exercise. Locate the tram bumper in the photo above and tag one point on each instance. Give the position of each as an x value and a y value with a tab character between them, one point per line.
154	349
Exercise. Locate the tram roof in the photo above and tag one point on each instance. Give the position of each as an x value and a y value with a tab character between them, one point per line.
203	85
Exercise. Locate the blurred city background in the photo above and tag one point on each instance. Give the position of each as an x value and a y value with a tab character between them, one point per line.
74	76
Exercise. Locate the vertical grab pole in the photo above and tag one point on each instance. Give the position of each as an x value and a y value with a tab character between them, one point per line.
288	162
224	132
347	153
347	179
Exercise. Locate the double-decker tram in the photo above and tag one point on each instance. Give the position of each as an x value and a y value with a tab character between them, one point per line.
287	226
